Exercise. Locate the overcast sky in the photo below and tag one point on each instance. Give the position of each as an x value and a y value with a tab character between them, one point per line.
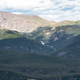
56	10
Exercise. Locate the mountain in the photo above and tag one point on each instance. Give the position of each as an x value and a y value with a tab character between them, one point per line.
56	38
29	66
55	35
13	40
22	23
56	44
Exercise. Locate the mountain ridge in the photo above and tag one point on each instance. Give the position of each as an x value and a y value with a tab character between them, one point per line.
29	23
21	23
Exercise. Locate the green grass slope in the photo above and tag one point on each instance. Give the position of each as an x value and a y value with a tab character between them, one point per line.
7	34
12	40
22	66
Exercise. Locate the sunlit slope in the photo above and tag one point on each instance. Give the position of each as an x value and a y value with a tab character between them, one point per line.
8	34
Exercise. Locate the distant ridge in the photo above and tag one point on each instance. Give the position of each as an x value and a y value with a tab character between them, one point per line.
29	23
66	22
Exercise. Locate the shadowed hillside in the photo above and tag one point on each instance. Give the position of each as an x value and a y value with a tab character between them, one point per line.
58	38
12	40
70	51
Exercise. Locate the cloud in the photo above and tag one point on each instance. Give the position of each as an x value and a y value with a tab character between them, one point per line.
48	9
16	12
23	4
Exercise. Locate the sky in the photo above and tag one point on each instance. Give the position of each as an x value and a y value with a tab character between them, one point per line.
53	10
